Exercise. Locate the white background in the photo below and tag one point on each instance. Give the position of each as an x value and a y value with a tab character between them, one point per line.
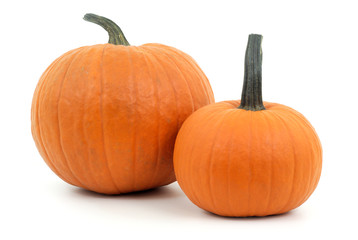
310	63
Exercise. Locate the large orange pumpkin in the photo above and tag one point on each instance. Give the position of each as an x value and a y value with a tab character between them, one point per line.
248	157
105	117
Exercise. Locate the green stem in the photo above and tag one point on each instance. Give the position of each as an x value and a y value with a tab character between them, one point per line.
116	35
251	98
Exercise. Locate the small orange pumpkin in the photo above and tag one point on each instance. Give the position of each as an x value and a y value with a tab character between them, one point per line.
105	117
248	157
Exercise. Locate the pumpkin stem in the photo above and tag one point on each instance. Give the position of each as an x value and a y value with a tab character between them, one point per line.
251	98
116	35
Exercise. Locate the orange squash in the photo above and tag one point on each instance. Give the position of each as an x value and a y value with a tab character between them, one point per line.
105	117
249	157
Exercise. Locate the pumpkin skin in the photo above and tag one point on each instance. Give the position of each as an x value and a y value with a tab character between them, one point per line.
105	117
237	162
234	162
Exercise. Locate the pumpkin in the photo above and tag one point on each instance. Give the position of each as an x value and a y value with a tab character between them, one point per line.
105	117
249	157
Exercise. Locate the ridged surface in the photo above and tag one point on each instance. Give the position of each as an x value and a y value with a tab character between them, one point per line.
235	162
105	117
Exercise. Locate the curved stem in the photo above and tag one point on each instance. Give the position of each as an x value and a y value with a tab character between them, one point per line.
251	98
116	35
